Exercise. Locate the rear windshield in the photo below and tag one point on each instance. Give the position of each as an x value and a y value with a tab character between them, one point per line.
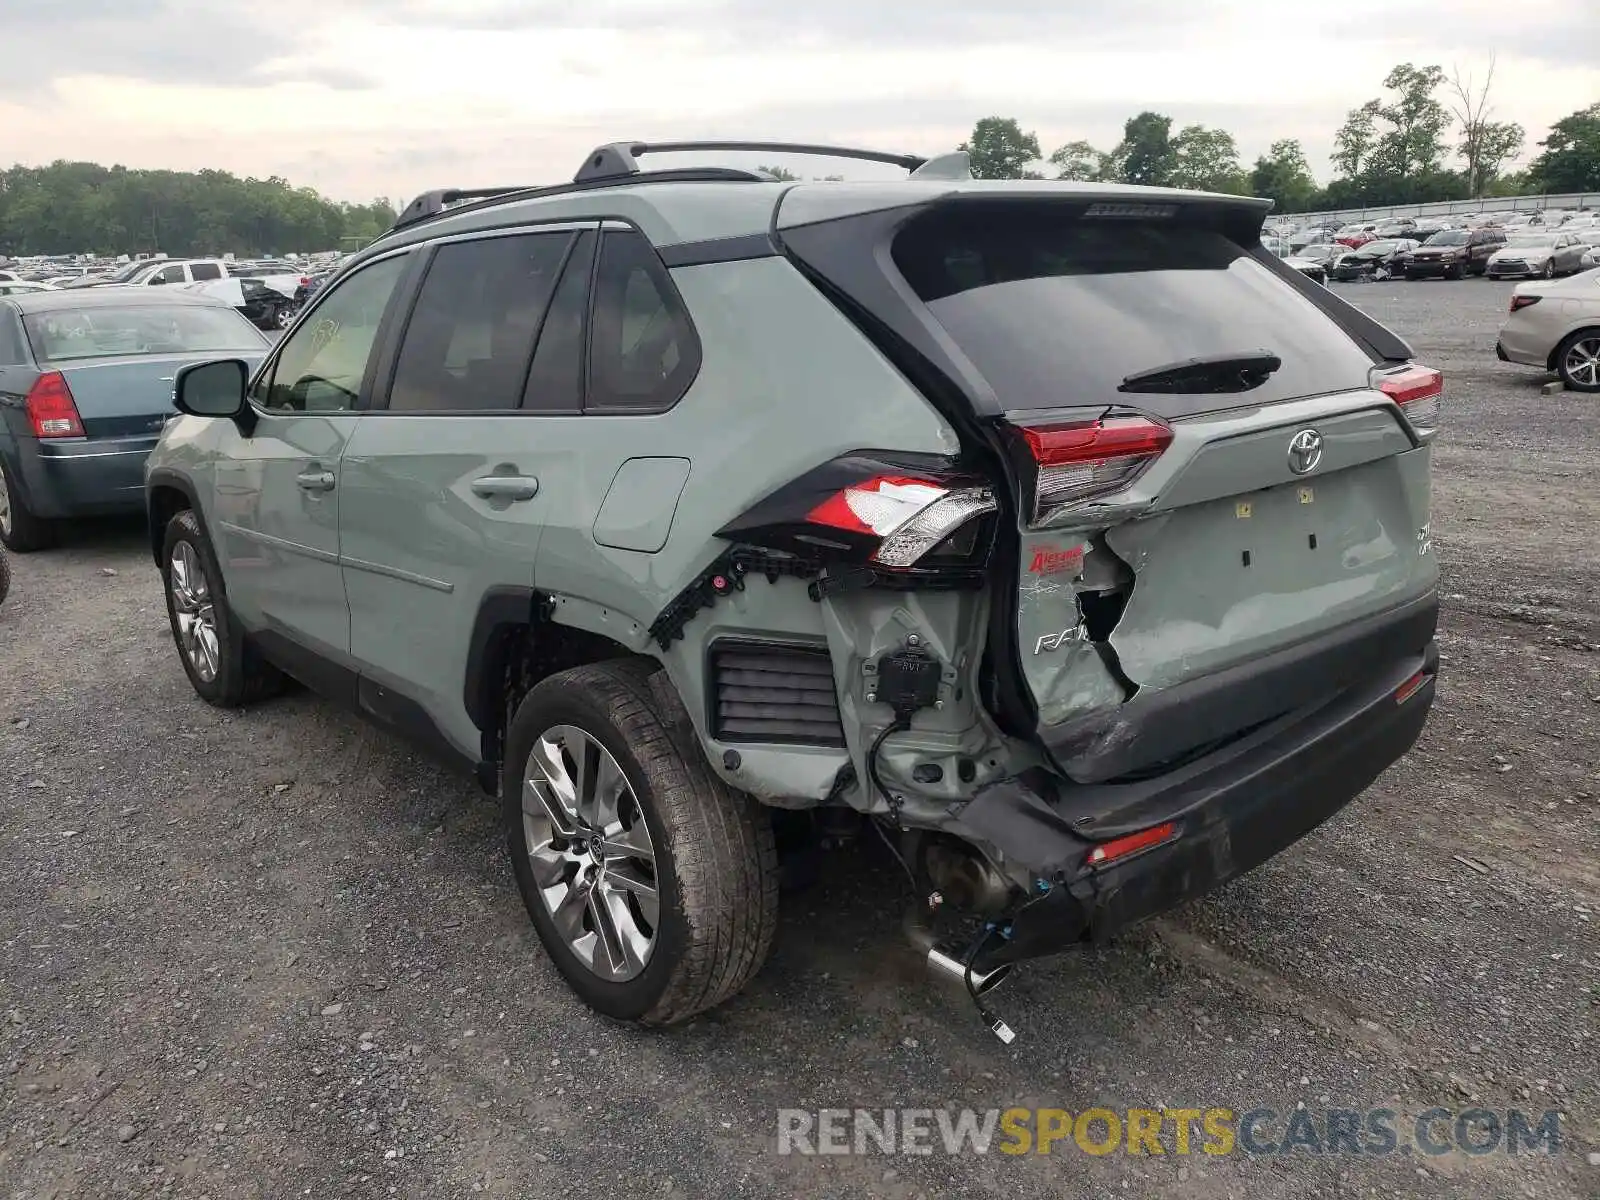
64	334
1058	312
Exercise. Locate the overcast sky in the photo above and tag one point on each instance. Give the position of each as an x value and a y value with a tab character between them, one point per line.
361	98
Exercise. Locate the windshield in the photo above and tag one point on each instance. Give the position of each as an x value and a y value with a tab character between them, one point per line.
128	271
1380	247
1319	250
65	334
1543	240
1450	237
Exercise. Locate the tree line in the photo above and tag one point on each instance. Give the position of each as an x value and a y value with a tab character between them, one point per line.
75	207
1397	148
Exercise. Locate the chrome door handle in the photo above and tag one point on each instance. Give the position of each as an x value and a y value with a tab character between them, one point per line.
506	487
315	481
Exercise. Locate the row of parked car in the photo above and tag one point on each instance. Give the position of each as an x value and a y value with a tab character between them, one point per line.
1491	251
268	292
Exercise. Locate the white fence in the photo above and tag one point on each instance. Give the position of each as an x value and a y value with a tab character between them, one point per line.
1446	208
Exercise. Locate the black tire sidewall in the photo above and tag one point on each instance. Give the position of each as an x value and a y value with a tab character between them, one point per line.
227	689
632	999
1567	343
28	532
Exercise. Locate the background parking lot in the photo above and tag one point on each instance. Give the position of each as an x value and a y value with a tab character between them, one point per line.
274	952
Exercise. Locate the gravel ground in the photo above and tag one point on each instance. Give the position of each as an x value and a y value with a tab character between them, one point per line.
274	953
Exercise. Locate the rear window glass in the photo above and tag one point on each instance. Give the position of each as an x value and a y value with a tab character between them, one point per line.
63	334
1058	312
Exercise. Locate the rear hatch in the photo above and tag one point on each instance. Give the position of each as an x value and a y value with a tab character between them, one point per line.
1207	458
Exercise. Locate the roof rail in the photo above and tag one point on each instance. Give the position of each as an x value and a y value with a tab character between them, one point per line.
618	159
435	203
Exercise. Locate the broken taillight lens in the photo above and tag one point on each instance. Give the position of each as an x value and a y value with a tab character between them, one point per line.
1090	459
1417	390
51	410
908	516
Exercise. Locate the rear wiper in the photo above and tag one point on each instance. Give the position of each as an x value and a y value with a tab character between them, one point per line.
1237	372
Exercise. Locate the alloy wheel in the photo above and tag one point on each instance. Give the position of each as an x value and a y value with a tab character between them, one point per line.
194	612
590	853
1582	362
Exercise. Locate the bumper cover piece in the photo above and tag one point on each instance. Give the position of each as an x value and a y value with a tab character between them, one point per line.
1234	809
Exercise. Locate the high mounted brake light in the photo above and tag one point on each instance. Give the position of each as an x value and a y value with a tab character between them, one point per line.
1417	390
909	516
51	410
1090	459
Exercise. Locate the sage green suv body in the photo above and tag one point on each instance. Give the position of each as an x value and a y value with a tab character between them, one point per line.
1059	529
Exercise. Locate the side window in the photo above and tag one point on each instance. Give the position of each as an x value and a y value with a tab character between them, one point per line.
172	274
205	271
643	352
10	338
471	335
324	360
555	381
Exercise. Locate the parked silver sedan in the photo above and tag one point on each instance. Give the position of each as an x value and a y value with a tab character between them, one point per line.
1539	253
1556	327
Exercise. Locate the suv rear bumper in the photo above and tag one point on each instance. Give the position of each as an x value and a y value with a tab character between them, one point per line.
1231	814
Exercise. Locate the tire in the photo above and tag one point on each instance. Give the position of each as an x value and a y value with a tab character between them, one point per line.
5	576
712	855
1549	271
1452	272
20	529
228	672
1578	361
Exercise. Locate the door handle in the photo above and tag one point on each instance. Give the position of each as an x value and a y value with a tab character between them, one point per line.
315	481
506	487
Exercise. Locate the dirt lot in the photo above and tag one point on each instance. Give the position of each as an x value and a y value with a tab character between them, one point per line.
274	953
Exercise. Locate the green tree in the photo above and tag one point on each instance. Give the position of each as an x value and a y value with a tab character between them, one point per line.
1000	150
1207	160
1570	161
1414	141
1082	162
1147	153
1283	176
1354	143
68	207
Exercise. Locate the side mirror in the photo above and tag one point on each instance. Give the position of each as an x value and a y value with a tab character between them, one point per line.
214	389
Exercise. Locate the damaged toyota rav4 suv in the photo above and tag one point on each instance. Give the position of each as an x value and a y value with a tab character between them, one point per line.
1059	530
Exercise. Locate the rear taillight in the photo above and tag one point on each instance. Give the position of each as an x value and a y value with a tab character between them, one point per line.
1519	302
50	407
305	281
1085	461
907	516
1417	390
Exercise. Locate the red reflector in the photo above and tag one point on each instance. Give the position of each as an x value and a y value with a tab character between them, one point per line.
1523	302
1096	441
1410	687
1412	384
1108	852
51	410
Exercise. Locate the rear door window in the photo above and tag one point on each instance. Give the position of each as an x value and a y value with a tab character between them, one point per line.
470	340
1056	312
203	271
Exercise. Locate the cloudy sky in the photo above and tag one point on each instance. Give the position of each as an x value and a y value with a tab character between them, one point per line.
361	98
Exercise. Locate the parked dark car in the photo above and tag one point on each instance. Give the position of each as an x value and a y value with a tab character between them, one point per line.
86	383
1397	227
1382	259
1426	227
1455	252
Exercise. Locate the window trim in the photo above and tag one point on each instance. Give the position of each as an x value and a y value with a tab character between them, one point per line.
402	288
389	358
694	351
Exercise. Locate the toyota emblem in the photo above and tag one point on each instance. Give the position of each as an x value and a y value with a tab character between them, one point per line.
1305	451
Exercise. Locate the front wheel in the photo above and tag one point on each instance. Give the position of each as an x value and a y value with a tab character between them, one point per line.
223	669
653	886
1549	271
1452	273
1578	361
